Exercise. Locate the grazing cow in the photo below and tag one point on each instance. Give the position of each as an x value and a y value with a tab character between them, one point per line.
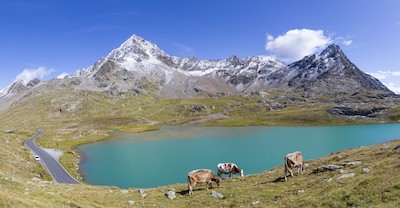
229	168
201	176
294	160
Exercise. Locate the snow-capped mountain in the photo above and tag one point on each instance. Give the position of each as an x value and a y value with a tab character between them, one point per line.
139	66
137	60
331	71
17	87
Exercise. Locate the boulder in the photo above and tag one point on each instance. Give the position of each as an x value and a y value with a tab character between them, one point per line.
354	163
131	202
171	195
327	168
216	194
365	170
142	194
348	175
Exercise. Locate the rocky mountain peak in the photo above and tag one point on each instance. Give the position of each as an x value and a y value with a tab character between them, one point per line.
19	86
333	52
136	47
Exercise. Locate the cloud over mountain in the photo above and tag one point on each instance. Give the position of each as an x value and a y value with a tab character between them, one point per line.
30	74
297	43
389	78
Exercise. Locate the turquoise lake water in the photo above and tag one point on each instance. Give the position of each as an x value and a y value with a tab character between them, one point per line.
152	159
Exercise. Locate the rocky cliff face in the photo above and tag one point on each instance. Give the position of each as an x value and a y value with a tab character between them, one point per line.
331	72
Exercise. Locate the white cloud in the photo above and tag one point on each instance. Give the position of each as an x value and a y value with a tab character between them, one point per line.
297	43
343	40
393	87
30	74
389	78
384	74
347	42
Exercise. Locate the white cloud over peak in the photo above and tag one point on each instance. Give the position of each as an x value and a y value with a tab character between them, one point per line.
30	74
347	42
384	74
389	78
393	87
297	43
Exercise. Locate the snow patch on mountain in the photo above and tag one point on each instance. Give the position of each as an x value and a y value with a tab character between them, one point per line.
125	67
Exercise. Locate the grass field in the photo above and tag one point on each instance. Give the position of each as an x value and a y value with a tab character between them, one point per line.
22	184
77	118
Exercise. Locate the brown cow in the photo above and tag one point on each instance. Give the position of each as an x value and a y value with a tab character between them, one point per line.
201	176
294	160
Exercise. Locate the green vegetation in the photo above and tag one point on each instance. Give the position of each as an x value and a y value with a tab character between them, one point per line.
22	186
71	118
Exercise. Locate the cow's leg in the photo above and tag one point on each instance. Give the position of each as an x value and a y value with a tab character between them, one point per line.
219	173
190	189
190	185
286	170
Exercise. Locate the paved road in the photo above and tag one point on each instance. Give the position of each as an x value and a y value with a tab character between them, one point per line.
59	174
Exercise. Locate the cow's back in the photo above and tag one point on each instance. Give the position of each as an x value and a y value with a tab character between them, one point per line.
226	167
295	157
200	175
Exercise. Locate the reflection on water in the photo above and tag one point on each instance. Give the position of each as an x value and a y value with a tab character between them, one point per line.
156	158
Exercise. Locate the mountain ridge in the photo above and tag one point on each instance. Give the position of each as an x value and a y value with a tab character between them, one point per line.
139	66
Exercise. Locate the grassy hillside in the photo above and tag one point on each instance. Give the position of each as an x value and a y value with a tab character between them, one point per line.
21	184
70	118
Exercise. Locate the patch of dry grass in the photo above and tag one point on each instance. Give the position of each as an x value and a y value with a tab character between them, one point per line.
22	186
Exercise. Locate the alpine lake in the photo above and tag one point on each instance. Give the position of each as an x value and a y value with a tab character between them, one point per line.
165	156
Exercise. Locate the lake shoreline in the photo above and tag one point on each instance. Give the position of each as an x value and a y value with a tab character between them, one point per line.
308	127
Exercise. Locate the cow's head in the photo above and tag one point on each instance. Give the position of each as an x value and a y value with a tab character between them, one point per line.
219	182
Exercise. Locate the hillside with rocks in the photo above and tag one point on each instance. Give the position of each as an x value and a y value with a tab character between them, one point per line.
362	177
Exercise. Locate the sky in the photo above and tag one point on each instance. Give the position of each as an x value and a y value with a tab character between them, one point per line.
43	39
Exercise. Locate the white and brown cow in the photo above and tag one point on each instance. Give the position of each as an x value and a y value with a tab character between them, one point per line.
294	160
229	168
201	176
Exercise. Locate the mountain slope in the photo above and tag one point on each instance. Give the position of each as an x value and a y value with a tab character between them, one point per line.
139	66
137	58
15	91
332	72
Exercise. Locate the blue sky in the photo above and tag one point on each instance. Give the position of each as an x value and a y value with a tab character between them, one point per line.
49	37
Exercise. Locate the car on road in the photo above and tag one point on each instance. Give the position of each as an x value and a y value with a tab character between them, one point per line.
37	158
